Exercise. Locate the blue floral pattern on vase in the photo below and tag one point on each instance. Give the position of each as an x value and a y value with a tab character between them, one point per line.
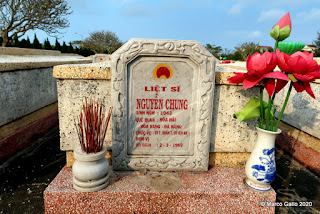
265	172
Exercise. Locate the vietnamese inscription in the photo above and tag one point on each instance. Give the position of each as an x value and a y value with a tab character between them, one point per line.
161	106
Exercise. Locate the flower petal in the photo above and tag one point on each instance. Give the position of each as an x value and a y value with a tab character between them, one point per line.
280	84
304	78
256	63
249	84
315	74
301	86
277	75
270	86
298	64
309	90
238	78
282	61
284	21
298	86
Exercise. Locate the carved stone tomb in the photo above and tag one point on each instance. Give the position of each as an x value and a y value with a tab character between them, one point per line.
162	94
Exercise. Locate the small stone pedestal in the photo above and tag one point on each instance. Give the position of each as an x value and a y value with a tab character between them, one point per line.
220	190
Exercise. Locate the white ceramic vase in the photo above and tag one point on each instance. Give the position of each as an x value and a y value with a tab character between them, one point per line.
90	171
261	165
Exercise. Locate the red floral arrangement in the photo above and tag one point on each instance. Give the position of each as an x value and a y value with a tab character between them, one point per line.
297	68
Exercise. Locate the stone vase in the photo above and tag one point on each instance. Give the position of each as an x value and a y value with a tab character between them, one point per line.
90	171
261	166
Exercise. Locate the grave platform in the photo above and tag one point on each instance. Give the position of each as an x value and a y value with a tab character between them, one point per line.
219	190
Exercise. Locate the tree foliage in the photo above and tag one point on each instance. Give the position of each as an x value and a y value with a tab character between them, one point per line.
25	43
47	45
214	50
85	52
19	16
70	48
57	46
247	48
36	44
102	42
77	43
317	43
64	48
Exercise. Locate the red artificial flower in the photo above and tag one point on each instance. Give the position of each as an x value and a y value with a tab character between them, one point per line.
260	67
302	67
282	29
284	21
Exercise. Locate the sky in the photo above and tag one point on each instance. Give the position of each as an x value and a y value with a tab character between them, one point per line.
225	23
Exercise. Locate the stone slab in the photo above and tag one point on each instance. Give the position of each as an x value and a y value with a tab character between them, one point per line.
27	51
71	94
162	94
302	111
83	71
228	134
12	63
25	91
219	190
215	158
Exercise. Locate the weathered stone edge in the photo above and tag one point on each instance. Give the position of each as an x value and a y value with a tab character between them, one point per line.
12	66
82	72
28	51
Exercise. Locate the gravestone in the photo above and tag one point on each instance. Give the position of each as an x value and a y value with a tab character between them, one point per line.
162	96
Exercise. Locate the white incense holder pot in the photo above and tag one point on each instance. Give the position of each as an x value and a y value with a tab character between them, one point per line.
90	171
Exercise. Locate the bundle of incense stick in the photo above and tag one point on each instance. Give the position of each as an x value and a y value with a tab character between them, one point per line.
92	125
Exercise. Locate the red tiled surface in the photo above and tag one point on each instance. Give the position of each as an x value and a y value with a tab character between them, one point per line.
220	190
25	136
305	155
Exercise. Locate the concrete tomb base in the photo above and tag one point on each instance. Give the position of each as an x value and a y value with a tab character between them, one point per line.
219	190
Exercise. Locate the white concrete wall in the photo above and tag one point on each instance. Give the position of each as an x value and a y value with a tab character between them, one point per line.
302	111
27	84
25	91
71	95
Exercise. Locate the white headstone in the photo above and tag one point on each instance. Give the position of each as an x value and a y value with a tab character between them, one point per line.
162	94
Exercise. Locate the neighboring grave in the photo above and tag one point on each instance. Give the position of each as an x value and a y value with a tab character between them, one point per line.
101	58
162	94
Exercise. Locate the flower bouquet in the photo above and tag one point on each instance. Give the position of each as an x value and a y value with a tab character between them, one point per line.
297	69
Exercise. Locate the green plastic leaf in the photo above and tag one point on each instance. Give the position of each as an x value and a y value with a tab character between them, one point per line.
275	31
290	47
284	33
252	110
292	78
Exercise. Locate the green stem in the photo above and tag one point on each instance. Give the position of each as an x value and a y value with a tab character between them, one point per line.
272	118
273	95
261	108
276	46
283	107
268	114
